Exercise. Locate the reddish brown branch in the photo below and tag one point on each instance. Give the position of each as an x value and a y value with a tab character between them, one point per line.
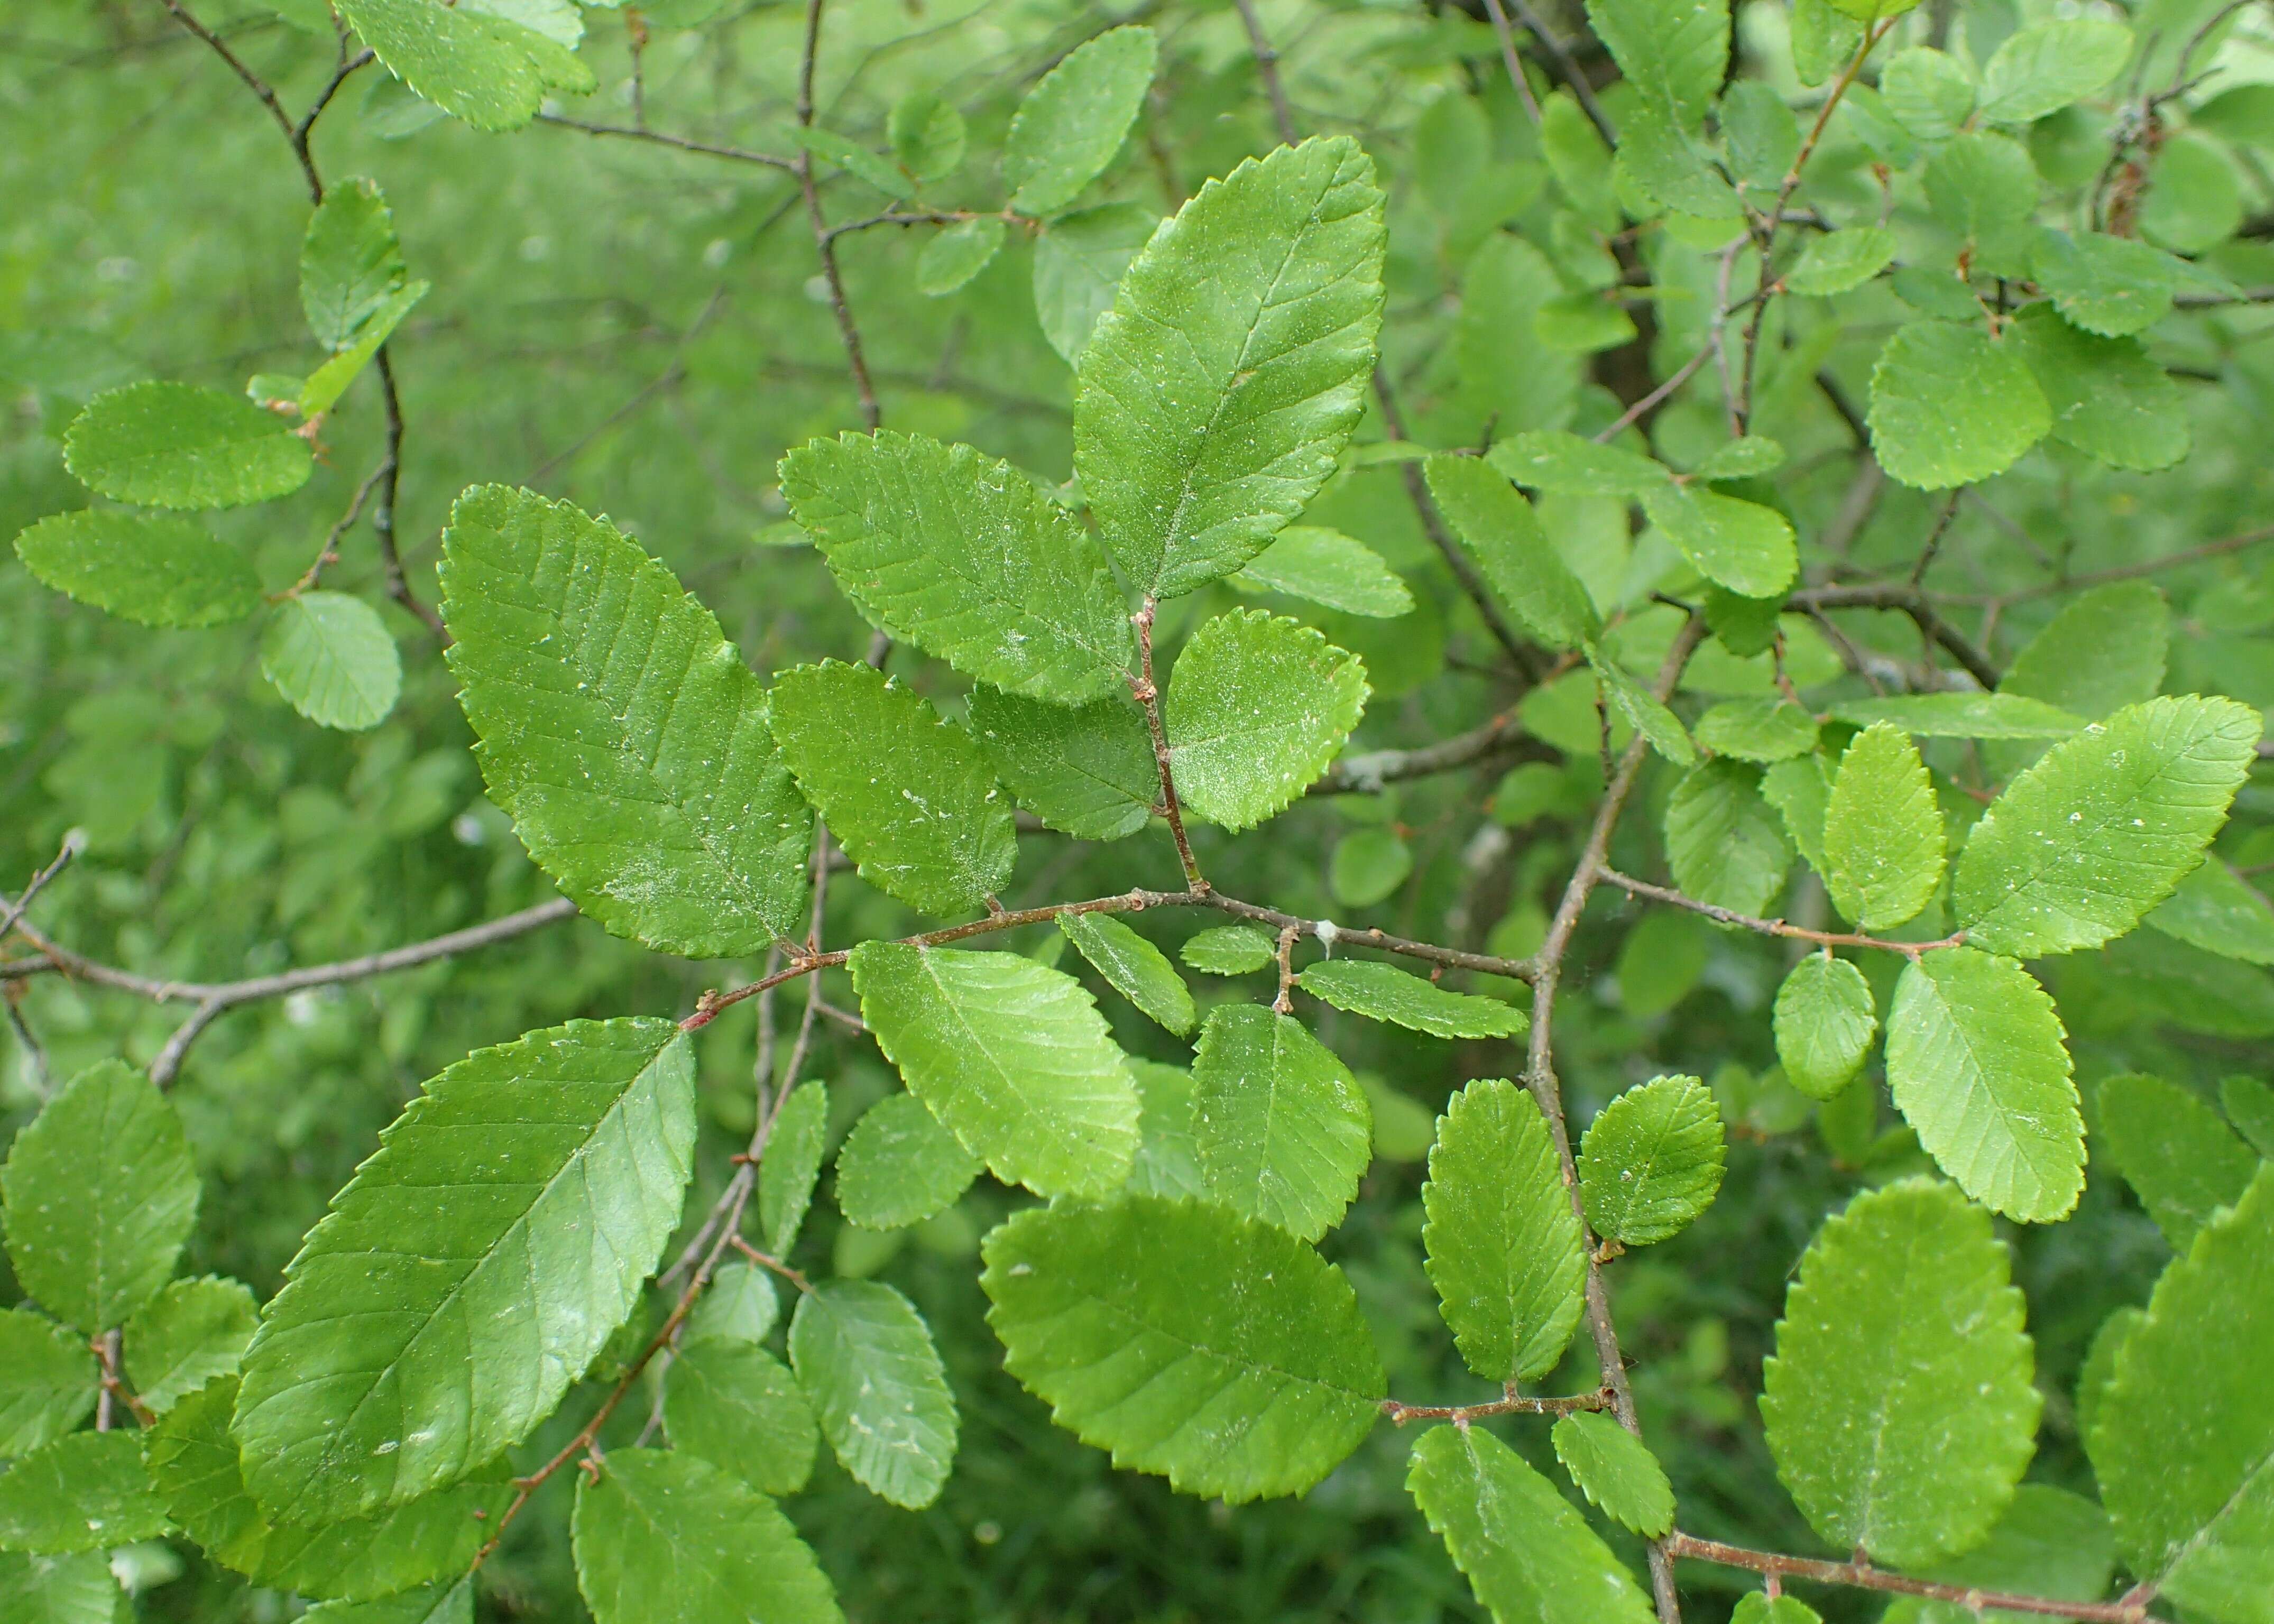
1861	1575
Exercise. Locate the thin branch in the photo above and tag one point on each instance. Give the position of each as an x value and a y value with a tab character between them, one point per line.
74	843
382	515
1539	1074
824	242
1267	69
1913	602
1502	737
1861	1575
1568	70
213	999
1510	60
293	135
2121	572
1149	694
682	143
1768	926
1509	1403
340	76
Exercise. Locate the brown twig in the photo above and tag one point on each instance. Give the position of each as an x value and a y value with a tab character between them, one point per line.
824	245
1861	1575
1769	926
1148	694
1509	1403
115	1389
682	143
74	845
1267	69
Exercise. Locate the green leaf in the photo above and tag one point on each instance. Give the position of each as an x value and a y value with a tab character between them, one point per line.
1758	730
1652	1162
2177	1154
2050	1543
2109	399
1950	406
79	1589
1228	950
791	1163
1978	1063
1079	261
1840	260
1136	969
1744	457
1643	710
100	1194
1011	1056
1741	545
1072	123
899	1166
956	255
927	135
2249	1106
85	1492
1216	393
962	555
1556	460
331	656
1325	566
651	790
1825	1022
351	261
1672	52
378	1373
665	1538
2104	649
194	1462
2043	68
2184	1444
1615	1470
429	1604
1883	838
865	1357
322	388
1758	1607
1962	716
2194	199
144	568
1825	38
2220	912
2103	828
1282	1129
738	1407
741	1306
1529	1556
1368	866
1724	843
2114	286
1801	792
477	67
189	1334
1502	1244
1167	1164
1982	188
914	802
1383	992
850	156
176	445
1257	708
1088	772
1210	1348
1519	562
47	1381
1898	1404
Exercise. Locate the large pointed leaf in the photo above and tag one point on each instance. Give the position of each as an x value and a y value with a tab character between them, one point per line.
194	1462
1257	707
2104	827
100	1195
1899	1402
1503	1246
2184	1443
1653	1161
665	1538
621	729
1883	840
909	794
963	556
1282	1129
1216	1350
866	1360
1530	1557
1215	395
471	1270
1978	1063
1011	1055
